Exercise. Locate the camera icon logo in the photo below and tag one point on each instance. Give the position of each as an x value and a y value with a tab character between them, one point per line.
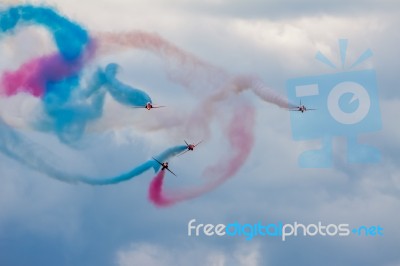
358	92
341	104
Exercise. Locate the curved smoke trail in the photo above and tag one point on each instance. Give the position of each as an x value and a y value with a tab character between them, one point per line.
30	154
123	93
69	37
151	164
240	137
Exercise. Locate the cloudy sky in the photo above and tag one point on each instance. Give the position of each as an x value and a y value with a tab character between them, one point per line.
46	222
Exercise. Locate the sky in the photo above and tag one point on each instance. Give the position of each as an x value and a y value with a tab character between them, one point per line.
47	222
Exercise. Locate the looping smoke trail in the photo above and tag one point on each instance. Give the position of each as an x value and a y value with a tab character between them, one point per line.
240	136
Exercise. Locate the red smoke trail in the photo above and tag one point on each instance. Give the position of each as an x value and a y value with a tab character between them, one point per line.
148	41
171	54
240	137
155	190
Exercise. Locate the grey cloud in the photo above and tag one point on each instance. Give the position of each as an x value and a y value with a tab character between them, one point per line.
275	9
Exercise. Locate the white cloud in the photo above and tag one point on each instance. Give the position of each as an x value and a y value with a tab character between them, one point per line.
144	254
156	255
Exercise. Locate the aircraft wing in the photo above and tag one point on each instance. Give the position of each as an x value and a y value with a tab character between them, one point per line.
183	152
171	172
157	161
198	143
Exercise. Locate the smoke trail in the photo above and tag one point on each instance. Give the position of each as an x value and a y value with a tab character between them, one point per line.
33	75
156	191
54	77
27	152
67	110
182	67
240	83
123	93
42	74
69	37
210	84
240	137
164	156
189	71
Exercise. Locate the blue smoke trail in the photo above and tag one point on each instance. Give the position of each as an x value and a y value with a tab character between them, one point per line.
27	152
69	37
122	93
68	118
67	107
57	75
162	157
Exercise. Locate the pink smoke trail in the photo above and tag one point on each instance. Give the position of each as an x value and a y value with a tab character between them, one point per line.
240	137
32	76
191	76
